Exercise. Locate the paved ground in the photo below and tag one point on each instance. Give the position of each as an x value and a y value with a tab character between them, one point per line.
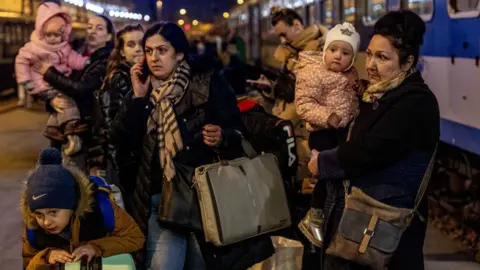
20	142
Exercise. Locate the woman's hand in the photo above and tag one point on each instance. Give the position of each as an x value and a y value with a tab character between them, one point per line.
59	256
85	250
140	89
42	67
313	163
60	104
212	135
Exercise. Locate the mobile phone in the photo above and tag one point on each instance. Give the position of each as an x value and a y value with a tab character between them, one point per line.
145	71
256	83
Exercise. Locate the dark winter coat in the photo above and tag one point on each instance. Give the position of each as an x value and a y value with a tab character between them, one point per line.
83	87
208	100
390	148
115	88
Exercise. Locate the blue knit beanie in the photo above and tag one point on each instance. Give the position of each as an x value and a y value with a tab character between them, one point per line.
51	185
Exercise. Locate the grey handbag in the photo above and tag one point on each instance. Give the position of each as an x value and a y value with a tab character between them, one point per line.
241	198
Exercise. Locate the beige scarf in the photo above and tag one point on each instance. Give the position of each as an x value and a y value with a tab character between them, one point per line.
376	91
163	120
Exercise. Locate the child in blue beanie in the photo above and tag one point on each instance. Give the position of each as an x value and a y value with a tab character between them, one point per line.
65	221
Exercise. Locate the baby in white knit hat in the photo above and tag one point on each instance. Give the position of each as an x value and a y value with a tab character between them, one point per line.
326	97
327	83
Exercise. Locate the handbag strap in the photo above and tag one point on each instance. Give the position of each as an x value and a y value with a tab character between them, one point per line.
425	180
346	183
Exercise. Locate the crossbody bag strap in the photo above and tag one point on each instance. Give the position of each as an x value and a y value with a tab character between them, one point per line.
346	183
425	180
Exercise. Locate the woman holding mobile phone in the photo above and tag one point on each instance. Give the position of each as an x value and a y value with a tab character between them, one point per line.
183	118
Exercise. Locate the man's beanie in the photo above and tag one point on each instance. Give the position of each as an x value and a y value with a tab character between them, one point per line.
51	185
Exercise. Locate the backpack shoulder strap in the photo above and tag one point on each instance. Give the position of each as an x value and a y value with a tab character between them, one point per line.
31	238
104	198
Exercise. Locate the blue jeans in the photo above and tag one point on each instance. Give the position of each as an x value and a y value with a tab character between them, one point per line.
170	250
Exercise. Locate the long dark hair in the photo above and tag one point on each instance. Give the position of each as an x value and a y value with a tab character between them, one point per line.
405	29
116	56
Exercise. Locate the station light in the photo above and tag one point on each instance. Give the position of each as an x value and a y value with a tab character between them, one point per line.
159	4
95	8
239	2
128	15
183	11
226	15
195	22
181	22
78	3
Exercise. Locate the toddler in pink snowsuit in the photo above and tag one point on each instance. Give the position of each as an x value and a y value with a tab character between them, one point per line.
49	43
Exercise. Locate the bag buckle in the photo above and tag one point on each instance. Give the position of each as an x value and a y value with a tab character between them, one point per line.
368	232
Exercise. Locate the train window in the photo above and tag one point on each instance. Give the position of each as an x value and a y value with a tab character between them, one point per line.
375	10
266	25
313	13
424	8
328	12
394	4
464	8
349	10
301	11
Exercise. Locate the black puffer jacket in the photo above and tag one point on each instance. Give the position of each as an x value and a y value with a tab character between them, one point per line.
83	87
208	100
115	88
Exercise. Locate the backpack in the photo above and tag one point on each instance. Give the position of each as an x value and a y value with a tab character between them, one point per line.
104	198
270	134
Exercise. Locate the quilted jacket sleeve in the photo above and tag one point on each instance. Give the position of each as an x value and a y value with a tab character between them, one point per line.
23	67
308	95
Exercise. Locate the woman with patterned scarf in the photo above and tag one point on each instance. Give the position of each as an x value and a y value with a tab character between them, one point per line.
183	118
392	138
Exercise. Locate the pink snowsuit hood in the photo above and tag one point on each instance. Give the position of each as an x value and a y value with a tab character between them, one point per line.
47	11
